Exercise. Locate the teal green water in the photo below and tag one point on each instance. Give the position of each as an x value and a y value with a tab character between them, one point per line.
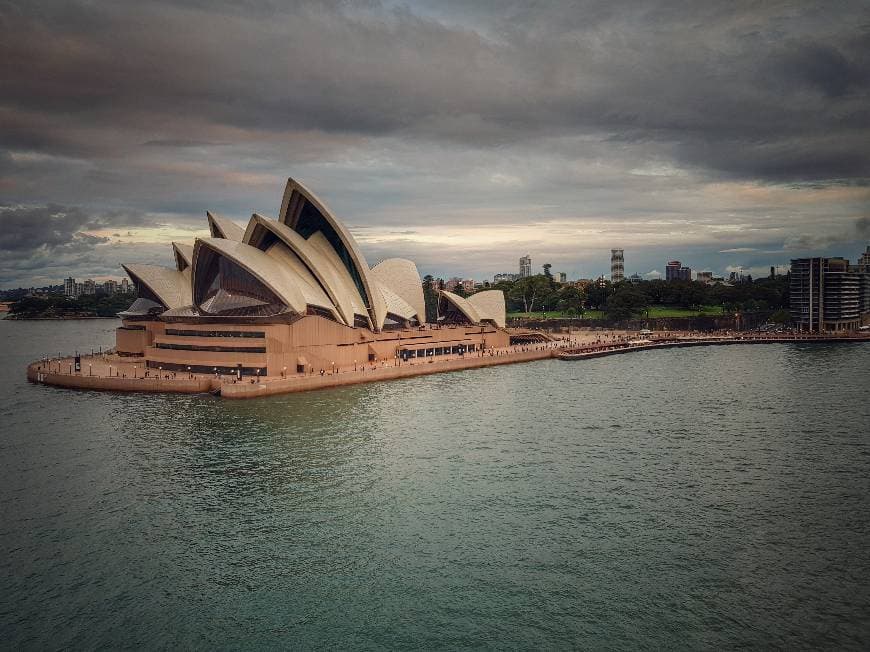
682	499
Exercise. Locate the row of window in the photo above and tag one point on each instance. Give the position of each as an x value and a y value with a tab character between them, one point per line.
191	333
206	369
215	349
438	350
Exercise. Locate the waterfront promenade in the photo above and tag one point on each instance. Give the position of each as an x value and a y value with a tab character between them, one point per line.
110	372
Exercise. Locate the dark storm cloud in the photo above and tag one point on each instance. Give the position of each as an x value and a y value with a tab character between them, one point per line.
51	227
708	81
404	114
52	241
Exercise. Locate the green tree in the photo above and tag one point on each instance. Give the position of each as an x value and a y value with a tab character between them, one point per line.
625	303
530	291
547	267
570	299
596	294
430	298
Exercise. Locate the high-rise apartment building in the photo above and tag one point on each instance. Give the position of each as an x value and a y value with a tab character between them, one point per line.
125	285
69	287
525	266
675	271
563	277
617	266
704	277
825	294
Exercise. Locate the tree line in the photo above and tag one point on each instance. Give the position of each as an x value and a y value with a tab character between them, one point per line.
625	299
57	305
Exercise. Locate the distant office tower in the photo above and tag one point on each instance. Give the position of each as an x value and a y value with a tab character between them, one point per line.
563	277
864	261
825	294
525	266
498	278
675	271
125	285
69	287
89	287
110	287
704	277
617	266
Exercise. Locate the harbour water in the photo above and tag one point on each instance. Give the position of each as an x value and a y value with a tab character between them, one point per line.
692	498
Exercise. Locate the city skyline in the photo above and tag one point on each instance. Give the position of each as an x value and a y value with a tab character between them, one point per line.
480	131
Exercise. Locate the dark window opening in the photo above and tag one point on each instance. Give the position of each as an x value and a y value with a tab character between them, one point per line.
207	369
193	333
215	349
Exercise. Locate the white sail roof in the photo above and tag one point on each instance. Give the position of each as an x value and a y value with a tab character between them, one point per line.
462	305
170	286
279	278
296	212
222	227
183	255
490	305
402	278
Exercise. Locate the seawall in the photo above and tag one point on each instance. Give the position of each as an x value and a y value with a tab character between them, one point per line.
583	353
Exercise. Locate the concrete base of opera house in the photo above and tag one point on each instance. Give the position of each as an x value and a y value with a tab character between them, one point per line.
127	376
242	360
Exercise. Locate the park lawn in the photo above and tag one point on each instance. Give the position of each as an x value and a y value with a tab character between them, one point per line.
673	311
654	312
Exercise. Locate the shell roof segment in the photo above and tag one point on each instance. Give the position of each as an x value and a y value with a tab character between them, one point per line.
403	279
489	304
170	286
278	278
183	255
303	212
222	227
333	278
462	305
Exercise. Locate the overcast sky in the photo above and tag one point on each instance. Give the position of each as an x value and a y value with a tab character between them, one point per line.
461	135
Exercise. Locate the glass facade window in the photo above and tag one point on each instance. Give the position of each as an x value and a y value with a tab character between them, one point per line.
435	351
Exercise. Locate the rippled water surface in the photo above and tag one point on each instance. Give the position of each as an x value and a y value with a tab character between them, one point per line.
697	498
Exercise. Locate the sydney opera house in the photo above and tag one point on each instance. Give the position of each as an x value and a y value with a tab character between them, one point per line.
293	295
